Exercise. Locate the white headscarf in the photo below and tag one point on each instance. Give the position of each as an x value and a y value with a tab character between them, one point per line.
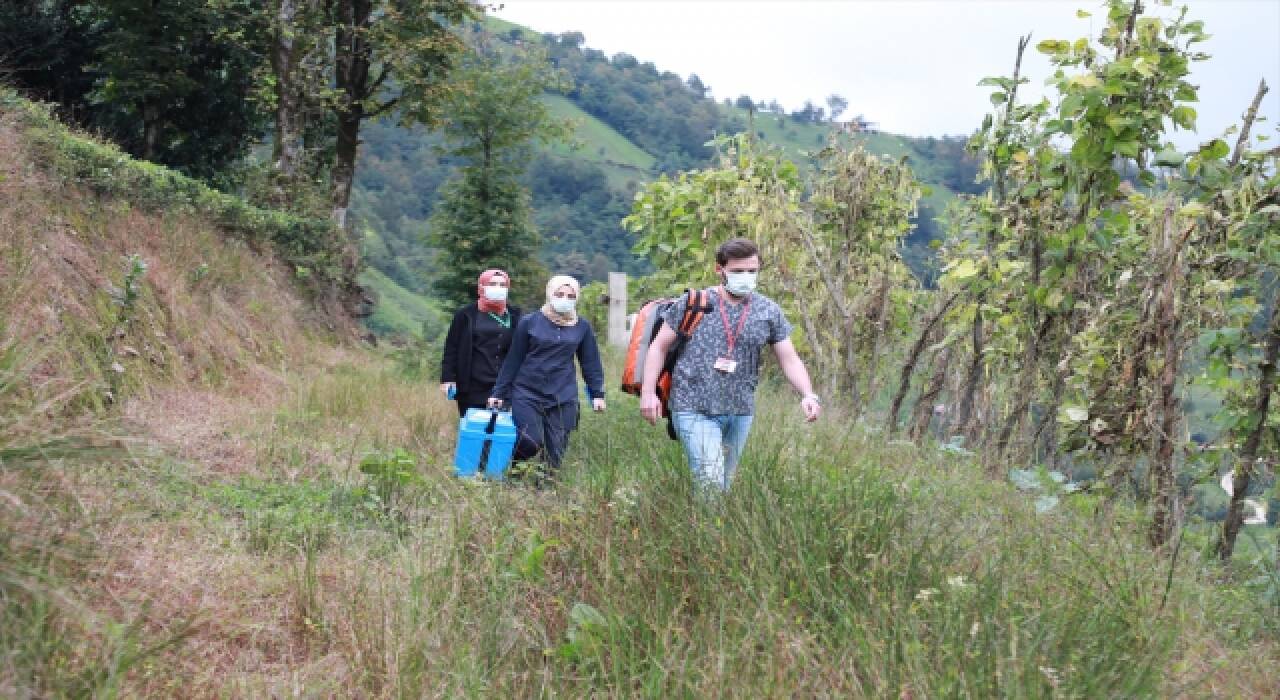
553	284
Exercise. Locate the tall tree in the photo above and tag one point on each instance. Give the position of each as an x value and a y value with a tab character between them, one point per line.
173	82
483	219
836	105
44	48
388	55
297	34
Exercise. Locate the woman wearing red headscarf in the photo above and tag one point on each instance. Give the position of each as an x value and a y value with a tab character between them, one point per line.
477	343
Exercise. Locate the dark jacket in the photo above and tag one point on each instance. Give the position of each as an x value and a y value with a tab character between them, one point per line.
455	366
539	365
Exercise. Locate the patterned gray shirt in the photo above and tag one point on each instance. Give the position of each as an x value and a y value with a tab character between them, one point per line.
696	385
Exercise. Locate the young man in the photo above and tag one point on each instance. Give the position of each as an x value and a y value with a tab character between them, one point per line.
714	381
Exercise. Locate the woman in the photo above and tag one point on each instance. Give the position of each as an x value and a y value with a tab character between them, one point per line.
538	375
478	340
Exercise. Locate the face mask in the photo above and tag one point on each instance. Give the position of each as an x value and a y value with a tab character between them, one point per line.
562	305
495	293
740	284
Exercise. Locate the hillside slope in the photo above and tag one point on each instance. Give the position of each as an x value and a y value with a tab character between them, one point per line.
124	262
633	122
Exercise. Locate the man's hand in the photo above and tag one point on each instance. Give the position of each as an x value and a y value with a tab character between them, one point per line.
597	405
445	387
812	409
495	403
650	408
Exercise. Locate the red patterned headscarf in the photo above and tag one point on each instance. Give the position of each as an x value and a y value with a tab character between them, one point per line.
493	307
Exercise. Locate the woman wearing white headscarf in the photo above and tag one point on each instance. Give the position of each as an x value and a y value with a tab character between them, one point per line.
538	377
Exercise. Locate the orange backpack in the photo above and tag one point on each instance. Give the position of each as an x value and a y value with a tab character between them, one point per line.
647	323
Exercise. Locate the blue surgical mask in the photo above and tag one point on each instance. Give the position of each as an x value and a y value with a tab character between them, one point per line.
563	305
740	284
495	293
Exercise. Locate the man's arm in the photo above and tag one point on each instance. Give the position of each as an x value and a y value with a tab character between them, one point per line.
794	370
650	405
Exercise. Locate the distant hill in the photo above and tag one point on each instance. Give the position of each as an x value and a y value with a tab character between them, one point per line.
632	122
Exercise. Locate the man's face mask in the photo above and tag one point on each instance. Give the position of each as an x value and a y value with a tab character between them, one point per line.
495	292
563	305
740	283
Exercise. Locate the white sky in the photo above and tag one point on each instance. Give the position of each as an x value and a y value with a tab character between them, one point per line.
910	65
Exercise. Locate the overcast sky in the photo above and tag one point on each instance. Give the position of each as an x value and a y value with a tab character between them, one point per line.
910	65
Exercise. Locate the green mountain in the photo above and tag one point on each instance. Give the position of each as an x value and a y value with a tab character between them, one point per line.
631	122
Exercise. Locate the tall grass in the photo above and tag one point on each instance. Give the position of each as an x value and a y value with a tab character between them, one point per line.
53	642
836	565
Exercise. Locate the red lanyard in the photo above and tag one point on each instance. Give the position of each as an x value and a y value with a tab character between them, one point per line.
732	338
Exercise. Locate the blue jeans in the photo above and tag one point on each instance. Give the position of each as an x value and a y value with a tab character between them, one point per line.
713	445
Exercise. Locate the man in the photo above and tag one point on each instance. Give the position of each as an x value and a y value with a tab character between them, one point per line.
714	381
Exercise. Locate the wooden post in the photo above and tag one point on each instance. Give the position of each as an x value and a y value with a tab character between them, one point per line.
618	309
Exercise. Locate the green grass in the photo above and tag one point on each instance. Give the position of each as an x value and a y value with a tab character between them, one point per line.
400	311
837	565
600	143
595	142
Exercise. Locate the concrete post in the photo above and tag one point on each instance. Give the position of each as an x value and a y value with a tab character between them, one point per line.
618	335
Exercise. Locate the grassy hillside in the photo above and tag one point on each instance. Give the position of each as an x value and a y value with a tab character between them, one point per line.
597	142
632	120
205	493
399	311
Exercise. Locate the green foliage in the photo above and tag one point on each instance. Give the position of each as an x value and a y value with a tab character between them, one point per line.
483	218
582	189
1100	257
171	86
390	474
44	48
314	245
306	515
169	82
829	239
596	142
126	295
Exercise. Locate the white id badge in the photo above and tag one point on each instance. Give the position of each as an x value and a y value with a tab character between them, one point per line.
726	365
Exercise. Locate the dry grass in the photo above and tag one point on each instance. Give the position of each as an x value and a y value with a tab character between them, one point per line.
211	308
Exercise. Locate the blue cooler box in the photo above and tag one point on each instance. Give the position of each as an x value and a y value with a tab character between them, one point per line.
486	440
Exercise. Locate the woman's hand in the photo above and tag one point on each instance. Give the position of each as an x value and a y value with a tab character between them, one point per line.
597	405
494	403
446	387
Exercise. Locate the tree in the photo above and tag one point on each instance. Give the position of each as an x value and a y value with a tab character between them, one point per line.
695	84
297	35
810	113
388	55
483	220
44	48
172	85
831	237
836	105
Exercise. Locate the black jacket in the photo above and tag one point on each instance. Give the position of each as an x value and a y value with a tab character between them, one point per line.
455	366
